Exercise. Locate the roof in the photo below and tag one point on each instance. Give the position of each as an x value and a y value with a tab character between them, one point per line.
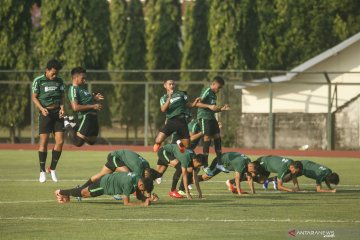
311	62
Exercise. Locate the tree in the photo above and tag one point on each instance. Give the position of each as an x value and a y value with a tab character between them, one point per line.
118	31
15	28
196	50
163	48
76	33
224	35
128	41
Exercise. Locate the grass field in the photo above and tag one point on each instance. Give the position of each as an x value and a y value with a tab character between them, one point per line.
28	209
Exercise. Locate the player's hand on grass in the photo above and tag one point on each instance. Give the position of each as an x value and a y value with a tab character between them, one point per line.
44	112
225	107
97	107
147	202
98	97
333	190
189	196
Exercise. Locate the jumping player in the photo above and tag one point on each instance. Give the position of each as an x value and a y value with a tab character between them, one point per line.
194	132
48	97
321	174
209	124
174	103
111	184
84	103
170	155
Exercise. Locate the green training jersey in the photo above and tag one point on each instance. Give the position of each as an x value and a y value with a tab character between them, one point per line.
234	161
119	183
275	164
132	160
184	158
177	104
315	171
80	95
207	97
194	127
49	91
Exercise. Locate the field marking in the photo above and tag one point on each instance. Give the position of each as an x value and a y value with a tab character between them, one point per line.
288	220
206	182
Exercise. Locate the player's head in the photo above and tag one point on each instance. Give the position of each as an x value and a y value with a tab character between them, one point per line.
169	85
217	83
78	75
333	178
199	160
252	168
295	167
145	185
52	69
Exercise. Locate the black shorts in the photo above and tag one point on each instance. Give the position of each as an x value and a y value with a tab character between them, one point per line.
178	125
209	127
89	125
113	162
51	123
164	157
95	189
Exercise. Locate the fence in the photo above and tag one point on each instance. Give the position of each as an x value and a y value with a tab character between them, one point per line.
269	109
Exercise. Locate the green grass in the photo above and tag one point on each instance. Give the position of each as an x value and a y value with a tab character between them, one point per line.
28	209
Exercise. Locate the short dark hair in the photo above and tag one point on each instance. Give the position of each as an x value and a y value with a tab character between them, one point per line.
53	63
148	184
333	178
219	80
297	165
77	70
168	80
200	158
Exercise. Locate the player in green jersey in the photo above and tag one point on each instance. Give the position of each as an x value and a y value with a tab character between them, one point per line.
170	155
123	161
282	166
174	103
206	116
195	137
239	163
321	174
111	184
86	105
48	97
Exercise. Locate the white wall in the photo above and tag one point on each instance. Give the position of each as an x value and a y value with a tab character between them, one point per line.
309	98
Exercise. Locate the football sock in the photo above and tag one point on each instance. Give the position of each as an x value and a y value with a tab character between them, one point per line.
176	176
75	192
55	158
217	144
42	160
88	183
206	148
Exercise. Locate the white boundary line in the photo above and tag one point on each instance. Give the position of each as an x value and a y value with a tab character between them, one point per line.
288	220
210	181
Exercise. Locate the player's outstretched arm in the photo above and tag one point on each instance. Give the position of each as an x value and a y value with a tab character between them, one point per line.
251	183
296	183
186	183
282	188
320	190
79	108
197	184
128	203
237	183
